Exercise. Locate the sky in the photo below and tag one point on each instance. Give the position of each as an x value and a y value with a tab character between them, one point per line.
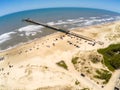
11	6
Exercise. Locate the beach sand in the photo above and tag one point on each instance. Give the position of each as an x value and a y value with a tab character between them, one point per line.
32	66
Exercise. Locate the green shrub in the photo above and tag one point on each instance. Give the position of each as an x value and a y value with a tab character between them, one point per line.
77	82
85	89
104	75
111	56
74	60
62	64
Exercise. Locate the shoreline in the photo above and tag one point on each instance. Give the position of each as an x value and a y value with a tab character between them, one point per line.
73	29
36	60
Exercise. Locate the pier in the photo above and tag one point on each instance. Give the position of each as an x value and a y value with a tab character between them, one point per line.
63	31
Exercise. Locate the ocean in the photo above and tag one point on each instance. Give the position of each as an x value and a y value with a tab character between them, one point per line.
14	31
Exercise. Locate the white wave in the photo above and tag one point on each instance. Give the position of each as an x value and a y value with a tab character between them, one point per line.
61	22
21	34
117	18
89	22
84	21
5	37
70	20
51	23
30	29
94	17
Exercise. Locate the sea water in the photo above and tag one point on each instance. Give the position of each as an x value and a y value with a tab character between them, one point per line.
14	31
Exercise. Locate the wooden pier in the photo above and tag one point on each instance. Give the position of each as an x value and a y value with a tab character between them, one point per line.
63	31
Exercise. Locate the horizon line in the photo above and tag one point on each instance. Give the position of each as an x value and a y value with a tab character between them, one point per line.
54	8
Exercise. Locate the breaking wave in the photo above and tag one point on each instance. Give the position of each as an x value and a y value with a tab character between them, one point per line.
30	32
30	29
5	37
81	22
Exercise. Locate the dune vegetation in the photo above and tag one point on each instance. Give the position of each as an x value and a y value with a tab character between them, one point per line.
62	64
111	56
103	75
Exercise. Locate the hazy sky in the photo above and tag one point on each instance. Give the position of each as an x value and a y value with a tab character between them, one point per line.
10	6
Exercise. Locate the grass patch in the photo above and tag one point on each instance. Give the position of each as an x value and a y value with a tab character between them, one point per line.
85	89
103	75
111	56
77	82
74	60
62	64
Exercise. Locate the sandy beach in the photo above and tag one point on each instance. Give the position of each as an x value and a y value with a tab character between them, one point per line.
32	66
